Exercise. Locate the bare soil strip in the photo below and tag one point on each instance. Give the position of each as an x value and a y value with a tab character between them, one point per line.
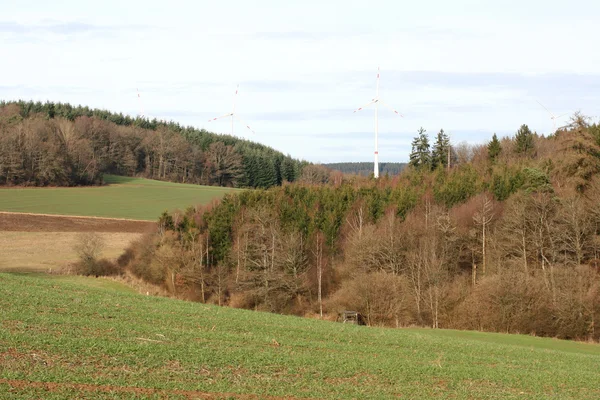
26	222
191	394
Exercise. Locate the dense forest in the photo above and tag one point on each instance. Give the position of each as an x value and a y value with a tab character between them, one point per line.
506	239
366	168
57	144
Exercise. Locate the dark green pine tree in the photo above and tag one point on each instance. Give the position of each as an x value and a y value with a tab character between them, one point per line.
277	159
251	168
51	110
265	174
494	148
288	169
441	148
420	156
524	140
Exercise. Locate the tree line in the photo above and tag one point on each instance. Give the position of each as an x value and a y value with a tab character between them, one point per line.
366	168
57	144
507	239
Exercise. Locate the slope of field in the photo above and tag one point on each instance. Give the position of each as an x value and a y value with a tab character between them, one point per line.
74	338
133	198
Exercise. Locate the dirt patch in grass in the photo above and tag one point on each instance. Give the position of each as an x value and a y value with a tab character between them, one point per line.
82	387
23	222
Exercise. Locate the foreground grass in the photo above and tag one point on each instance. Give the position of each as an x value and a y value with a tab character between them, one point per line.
123	197
92	338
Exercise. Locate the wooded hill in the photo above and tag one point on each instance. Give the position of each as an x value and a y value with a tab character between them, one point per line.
57	144
506	239
366	168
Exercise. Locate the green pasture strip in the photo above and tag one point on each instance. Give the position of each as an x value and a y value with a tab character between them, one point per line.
123	197
67	331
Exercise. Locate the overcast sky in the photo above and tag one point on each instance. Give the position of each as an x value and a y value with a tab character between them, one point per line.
471	67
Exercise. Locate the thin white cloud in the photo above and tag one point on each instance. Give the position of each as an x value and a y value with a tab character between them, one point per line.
465	66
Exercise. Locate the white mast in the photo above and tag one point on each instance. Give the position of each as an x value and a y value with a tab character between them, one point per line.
376	163
140	103
377	101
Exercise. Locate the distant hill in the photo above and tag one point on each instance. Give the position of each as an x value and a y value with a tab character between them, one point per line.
366	168
57	144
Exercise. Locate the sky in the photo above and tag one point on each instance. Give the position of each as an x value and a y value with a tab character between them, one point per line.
473	68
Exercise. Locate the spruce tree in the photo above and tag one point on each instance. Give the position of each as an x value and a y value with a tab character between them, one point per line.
420	156
494	148
439	154
289	169
524	140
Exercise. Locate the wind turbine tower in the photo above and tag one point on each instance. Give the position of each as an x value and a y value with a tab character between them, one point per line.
552	116
232	114
141	104
376	101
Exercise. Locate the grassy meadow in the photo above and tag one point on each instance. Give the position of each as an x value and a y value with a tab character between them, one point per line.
123	197
64	337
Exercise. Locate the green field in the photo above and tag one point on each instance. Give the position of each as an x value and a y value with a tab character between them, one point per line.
123	197
81	337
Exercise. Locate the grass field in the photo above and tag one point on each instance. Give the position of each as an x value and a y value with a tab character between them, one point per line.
123	197
81	337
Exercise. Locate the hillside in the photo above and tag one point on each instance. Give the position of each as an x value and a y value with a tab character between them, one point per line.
86	337
55	144
509	224
366	168
122	197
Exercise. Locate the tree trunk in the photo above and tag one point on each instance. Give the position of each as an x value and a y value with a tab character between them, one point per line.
525	254
483	226
320	275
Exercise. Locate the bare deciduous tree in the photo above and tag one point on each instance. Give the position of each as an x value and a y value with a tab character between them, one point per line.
482	218
89	247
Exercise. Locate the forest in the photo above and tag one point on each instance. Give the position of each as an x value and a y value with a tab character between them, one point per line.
366	168
55	144
505	237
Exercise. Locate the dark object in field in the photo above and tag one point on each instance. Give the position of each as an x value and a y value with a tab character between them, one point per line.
351	317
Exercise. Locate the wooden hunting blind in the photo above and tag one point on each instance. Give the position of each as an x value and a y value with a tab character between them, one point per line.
351	317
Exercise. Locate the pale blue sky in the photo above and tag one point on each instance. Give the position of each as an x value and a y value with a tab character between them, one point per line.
470	67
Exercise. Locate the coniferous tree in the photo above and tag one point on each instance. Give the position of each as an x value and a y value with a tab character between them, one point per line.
288	169
441	148
420	156
524	140
494	148
366	168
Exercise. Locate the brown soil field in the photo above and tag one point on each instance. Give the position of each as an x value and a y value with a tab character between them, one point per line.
52	251
22	222
42	243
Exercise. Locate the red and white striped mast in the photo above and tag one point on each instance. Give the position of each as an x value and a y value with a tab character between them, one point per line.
376	101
